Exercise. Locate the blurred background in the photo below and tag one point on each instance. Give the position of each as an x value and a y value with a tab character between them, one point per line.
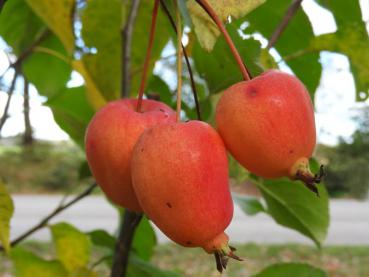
42	160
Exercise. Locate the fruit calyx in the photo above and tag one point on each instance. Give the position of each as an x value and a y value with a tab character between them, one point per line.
221	250
301	171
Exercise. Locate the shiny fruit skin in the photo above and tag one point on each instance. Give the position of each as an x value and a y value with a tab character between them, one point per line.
110	138
180	176
267	123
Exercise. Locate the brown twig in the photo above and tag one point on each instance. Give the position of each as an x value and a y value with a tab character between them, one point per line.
192	80
27	137
7	105
2	2
122	248
179	62
126	34
293	8
17	64
148	55
130	220
210	11
29	50
45	220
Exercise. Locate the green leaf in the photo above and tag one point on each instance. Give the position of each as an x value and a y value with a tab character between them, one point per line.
250	205
84	171
294	206
205	29
219	68
140	40
6	213
19	26
157	85
27	264
73	247
141	268
291	269
102	70
83	272
104	67
102	238
351	39
297	35
144	240
47	72
58	16
72	112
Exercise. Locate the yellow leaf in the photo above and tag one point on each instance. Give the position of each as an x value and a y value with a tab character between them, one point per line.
6	213
58	16
94	96
207	32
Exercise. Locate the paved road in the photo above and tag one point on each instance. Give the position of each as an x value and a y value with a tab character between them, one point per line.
349	221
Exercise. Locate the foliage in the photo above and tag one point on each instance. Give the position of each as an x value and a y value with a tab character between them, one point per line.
348	163
335	260
42	167
53	38
6	213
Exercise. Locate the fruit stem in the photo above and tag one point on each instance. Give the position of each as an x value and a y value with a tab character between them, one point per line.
148	54
179	62
193	86
301	171
210	11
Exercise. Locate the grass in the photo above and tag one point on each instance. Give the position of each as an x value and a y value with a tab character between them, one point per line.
337	261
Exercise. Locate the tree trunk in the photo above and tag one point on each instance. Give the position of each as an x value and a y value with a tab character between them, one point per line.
28	133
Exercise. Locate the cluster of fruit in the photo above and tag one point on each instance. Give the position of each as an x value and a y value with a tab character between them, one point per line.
177	172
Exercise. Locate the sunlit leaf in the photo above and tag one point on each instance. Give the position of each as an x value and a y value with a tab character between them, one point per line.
351	39
294	206
93	94
58	16
73	247
297	35
103	65
6	213
206	30
291	269
27	264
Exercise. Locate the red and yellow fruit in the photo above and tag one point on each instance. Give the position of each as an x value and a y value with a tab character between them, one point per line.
110	138
180	176
268	125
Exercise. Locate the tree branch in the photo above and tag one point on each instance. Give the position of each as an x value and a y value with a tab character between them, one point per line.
293	8
2	2
126	49
27	136
122	248
45	220
130	220
17	64
192	80
7	105
29	50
